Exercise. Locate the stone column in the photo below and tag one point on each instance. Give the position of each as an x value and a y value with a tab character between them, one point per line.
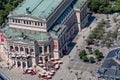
33	62
48	57
23	49
14	47
43	59
19	49
21	64
43	50
16	64
26	64
29	50
48	49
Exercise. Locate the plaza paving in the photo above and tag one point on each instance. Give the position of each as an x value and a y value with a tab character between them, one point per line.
71	65
17	74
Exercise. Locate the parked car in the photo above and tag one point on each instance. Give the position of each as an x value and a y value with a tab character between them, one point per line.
29	71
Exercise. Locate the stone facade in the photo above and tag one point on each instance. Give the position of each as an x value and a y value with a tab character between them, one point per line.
29	40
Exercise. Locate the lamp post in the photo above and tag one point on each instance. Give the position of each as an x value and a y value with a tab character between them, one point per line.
69	62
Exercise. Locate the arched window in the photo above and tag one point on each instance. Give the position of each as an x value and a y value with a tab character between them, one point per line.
21	48
26	50
31	50
16	48
11	48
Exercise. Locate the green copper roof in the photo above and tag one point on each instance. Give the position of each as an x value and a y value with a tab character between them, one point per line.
79	3
38	8
26	34
57	30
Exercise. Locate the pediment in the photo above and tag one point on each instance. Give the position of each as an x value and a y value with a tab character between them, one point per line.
26	17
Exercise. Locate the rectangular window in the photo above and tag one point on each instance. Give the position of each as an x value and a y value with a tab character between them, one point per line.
40	49
38	24
27	22
13	20
35	23
30	22
24	22
18	21
41	24
45	48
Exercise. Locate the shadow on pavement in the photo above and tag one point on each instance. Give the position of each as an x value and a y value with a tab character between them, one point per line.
90	19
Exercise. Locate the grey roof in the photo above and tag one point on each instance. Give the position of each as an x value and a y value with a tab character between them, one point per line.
108	63
113	53
110	68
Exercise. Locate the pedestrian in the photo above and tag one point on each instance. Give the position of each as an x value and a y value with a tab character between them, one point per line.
69	57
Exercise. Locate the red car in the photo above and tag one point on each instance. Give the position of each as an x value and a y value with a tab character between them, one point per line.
29	71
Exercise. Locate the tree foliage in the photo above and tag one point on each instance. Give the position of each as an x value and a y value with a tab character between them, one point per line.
5	7
91	59
104	6
82	53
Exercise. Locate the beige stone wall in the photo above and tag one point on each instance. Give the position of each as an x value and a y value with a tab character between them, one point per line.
27	23
28	27
83	15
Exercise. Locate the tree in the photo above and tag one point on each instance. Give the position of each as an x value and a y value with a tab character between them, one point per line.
5	7
91	59
96	51
104	6
82	53
84	58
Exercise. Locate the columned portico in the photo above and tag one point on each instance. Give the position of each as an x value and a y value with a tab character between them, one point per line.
21	64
